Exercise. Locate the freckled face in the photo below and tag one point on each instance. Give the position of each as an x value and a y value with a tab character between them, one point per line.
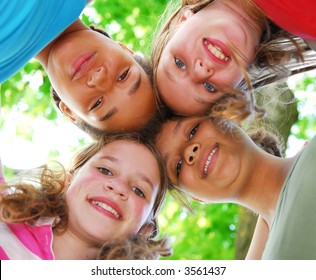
113	194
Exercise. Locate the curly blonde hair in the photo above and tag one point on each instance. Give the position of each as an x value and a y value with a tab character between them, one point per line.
41	194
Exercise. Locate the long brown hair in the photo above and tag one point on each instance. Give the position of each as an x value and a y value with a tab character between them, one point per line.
276	46
41	194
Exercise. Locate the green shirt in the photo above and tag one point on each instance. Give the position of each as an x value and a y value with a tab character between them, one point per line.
293	230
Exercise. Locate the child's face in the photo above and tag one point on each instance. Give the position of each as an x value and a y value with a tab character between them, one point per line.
113	194
202	159
197	64
100	82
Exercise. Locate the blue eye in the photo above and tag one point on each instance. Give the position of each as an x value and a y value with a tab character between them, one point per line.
105	171
180	64
138	192
178	168
209	87
193	131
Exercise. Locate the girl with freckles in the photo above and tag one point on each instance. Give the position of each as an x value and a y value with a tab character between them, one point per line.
217	163
104	206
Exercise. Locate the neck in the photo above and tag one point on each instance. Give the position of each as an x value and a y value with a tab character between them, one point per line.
43	55
67	246
264	186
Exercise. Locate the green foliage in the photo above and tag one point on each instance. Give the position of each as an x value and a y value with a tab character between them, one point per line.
305	88
128	21
211	232
208	233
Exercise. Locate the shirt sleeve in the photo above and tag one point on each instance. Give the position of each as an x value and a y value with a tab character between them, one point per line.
28	26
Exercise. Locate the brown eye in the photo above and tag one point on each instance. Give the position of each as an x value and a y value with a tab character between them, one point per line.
178	168
123	76
193	131
105	171
97	103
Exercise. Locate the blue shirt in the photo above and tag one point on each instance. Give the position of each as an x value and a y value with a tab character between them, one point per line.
27	26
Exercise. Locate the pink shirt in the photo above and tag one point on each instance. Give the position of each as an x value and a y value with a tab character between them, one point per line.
27	242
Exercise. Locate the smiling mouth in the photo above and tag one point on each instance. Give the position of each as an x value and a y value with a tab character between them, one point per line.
107	207
216	50
209	159
82	65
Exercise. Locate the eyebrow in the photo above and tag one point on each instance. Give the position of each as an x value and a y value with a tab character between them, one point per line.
168	166
113	159
201	101
146	179
170	76
174	132
131	91
177	127
108	114
136	85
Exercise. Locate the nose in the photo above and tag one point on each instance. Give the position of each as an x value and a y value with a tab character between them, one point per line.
191	153
118	189
202	71
97	77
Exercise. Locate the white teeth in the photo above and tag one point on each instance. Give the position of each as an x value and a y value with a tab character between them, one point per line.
107	208
218	52
208	161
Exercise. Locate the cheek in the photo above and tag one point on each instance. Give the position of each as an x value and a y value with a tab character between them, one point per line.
232	164
140	212
71	197
189	181
81	186
231	77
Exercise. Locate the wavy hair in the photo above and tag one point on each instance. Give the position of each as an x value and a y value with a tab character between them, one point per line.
40	193
276	46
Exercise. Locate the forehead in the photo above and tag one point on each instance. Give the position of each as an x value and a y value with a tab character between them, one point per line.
132	110
168	137
124	146
129	153
176	126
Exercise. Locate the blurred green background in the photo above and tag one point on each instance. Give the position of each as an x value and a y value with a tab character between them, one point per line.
33	131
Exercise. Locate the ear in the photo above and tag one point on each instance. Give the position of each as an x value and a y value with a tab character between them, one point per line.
124	47
68	178
66	111
149	229
186	15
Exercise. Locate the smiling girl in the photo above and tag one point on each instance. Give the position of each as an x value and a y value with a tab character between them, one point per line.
104	206
99	84
216	164
205	47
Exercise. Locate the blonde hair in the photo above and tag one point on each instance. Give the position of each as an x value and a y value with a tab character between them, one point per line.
41	194
276	46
